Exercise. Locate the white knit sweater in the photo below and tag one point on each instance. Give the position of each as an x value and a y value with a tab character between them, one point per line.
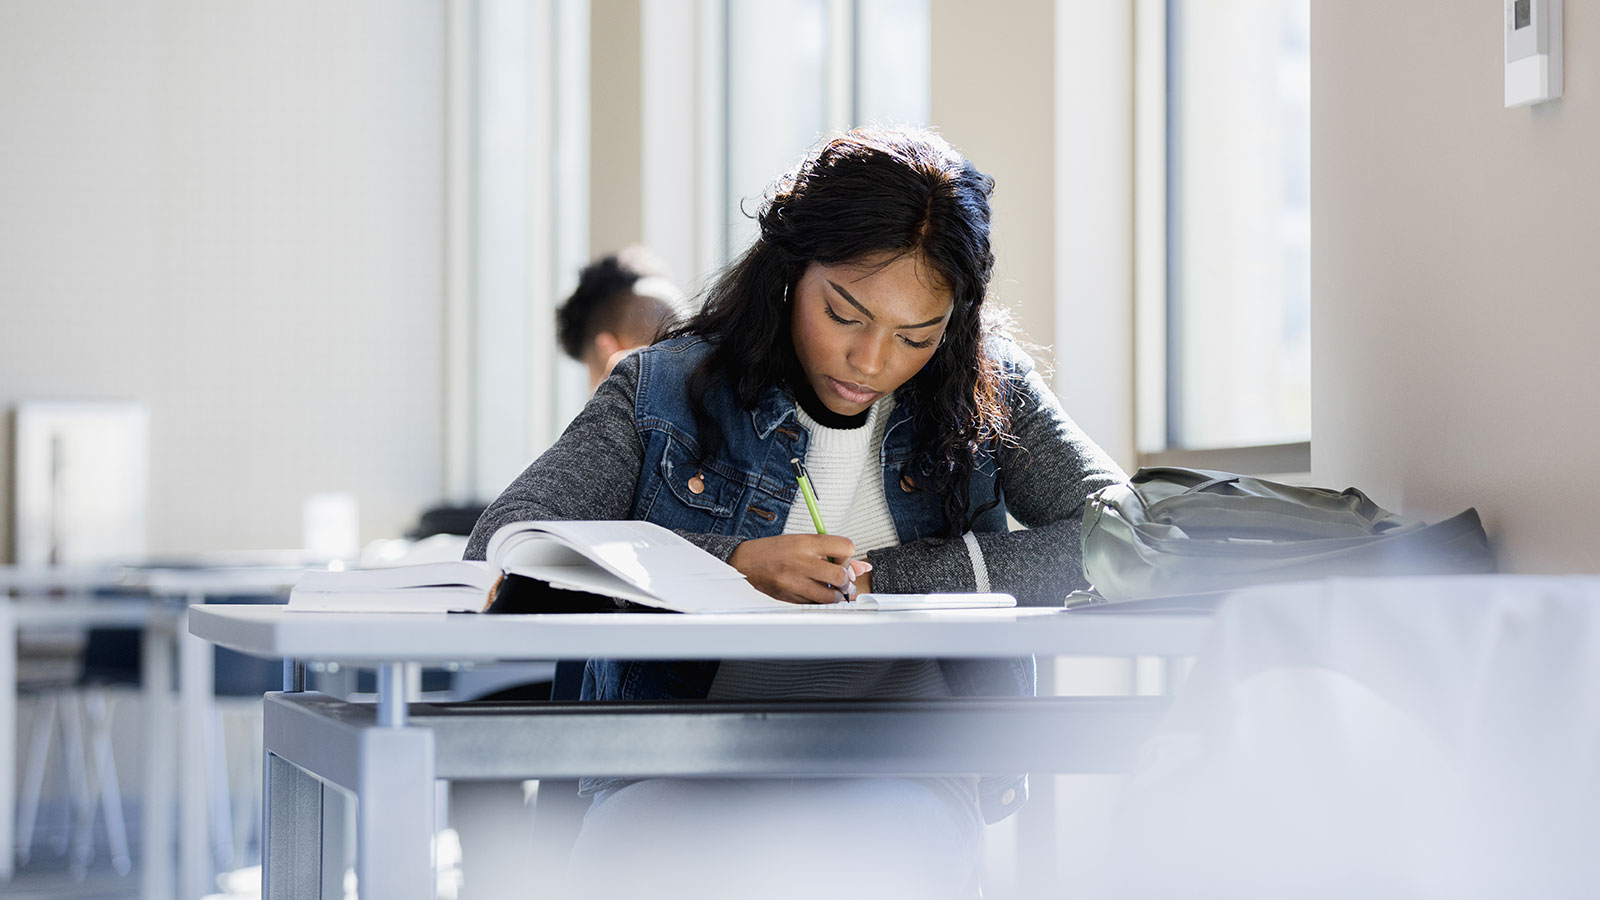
843	466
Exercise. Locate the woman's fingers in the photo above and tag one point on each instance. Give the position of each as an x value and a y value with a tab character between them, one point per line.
832	546
837	570
828	573
800	568
812	574
814	592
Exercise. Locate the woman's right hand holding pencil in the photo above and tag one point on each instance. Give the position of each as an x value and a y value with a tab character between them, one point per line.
801	568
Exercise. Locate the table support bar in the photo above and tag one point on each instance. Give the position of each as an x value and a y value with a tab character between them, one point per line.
294	675
392	695
696	738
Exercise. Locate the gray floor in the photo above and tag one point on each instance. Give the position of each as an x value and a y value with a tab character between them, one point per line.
41	881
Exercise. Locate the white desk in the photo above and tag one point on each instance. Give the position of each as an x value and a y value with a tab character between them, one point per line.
434	638
390	753
17	615
201	839
55	597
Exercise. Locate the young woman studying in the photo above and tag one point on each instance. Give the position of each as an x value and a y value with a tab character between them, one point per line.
854	337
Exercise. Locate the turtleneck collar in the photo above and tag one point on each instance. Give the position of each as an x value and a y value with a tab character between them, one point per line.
820	413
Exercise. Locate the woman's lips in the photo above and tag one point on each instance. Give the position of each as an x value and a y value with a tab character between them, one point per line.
855	393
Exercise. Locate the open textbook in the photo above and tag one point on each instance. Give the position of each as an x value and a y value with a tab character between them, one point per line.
577	566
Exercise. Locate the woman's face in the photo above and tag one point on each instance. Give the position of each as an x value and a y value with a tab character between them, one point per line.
861	330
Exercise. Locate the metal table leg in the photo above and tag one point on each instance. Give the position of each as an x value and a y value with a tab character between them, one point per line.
8	735
394	799
291	839
160	758
291	810
195	688
390	768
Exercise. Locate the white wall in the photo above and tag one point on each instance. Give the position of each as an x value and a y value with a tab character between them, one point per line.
1038	94
615	125
993	98
1094	220
233	212
1455	276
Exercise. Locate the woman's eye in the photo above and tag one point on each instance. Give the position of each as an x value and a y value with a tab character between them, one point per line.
920	345
835	316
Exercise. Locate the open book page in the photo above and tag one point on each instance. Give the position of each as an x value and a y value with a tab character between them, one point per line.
638	561
637	552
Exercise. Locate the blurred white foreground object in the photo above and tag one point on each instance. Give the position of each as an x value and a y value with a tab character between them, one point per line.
1389	737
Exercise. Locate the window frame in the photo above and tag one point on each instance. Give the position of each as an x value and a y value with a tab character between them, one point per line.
501	408
1157	303
843	69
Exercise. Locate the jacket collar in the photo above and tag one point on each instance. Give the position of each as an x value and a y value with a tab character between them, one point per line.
772	410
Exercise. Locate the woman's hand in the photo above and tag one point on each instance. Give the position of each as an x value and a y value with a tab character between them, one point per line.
796	568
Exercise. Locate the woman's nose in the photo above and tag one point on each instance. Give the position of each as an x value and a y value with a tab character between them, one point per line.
866	355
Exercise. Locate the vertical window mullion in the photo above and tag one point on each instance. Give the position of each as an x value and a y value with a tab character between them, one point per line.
1151	224
1235	345
841	71
1174	397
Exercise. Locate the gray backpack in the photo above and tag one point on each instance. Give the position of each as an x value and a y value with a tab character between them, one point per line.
1171	531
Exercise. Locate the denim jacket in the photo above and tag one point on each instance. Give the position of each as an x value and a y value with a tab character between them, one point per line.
746	489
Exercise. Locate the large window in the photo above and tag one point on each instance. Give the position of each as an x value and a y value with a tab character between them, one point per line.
518	222
1234	366
797	69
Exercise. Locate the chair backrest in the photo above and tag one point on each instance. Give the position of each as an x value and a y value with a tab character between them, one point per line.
50	658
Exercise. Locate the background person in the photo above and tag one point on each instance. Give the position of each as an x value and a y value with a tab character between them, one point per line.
623	301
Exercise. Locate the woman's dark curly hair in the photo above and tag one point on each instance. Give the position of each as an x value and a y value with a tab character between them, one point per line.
878	195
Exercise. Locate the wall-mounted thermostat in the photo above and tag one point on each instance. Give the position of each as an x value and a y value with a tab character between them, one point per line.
1533	51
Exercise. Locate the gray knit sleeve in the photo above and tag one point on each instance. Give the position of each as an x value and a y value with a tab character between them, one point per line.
590	472
1045	480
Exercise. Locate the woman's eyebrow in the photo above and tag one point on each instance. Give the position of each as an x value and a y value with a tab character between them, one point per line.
868	313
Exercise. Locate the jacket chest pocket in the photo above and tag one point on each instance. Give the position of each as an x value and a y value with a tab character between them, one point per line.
690	496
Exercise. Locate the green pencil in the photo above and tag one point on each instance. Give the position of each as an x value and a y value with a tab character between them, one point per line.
809	494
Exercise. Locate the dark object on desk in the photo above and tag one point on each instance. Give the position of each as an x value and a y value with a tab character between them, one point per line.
520	594
447	519
1172	531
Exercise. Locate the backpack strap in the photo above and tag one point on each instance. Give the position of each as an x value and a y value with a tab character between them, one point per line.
1225	479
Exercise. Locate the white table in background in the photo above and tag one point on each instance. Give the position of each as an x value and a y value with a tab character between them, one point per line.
182	588
156	603
20	614
390	753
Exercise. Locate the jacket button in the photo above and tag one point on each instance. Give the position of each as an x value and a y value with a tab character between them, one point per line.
697	485
906	484
1009	797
